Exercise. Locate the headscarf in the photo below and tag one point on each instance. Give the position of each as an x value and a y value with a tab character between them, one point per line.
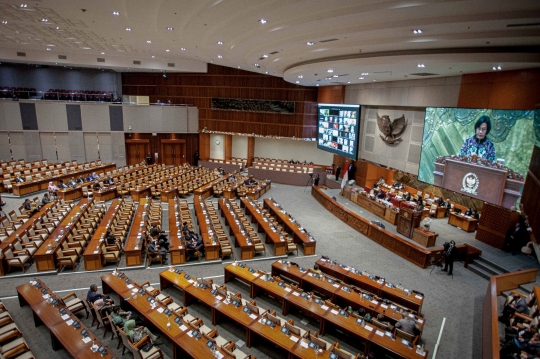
128	328
52	187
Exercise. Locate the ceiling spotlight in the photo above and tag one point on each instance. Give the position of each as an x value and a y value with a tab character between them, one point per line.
266	72
300	76
348	82
170	28
417	31
165	75
102	52
257	65
309	43
374	80
44	20
115	13
238	66
48	49
421	65
219	56
360	78
4	22
264	56
128	28
220	42
167	50
297	82
148	41
335	76
499	68
24	5
330	71
58	28
365	73
317	85
495	68
183	48
153	57
262	21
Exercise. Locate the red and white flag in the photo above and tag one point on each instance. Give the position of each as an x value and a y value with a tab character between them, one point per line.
345	175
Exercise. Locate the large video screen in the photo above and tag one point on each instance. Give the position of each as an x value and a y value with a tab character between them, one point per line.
472	151
338	129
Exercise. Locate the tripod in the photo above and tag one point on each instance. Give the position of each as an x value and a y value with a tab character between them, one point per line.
309	182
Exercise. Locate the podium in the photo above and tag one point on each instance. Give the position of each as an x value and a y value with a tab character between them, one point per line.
481	182
407	221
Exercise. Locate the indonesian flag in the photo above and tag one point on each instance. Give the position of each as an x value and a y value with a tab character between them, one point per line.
345	175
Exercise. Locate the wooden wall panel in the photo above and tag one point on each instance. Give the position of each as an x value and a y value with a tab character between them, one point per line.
494	223
514	90
191	140
228	147
198	90
331	94
204	146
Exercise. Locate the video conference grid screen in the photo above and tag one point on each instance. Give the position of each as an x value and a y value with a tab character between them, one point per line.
495	137
338	129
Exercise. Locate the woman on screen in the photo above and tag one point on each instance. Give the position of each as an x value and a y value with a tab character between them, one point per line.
478	144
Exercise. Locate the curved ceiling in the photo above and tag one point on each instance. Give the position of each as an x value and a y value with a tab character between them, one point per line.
299	40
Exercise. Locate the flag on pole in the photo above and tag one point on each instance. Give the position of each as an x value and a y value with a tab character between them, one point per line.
345	175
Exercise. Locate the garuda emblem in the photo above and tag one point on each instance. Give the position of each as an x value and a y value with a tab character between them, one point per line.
392	130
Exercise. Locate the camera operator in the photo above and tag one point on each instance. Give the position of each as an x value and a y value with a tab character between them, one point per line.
450	253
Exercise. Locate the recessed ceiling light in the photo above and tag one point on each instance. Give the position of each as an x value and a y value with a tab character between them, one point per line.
264	56
44	20
24	5
365	73
58	28
300	76
317	85
417	31
102	52
262	21
86	48
309	43
495	68
170	28
220	42
128	28
4	22
330	70
360	78
115	13
238	66
335	76
297	82
167	50
348	82
374	80
148	41
256	65
183	48
219	56
266	72
153	57
48	49
421	65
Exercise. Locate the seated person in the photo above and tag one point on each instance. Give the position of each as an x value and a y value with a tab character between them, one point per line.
96	186
380	319
380	195
517	304
95	176
156	232
475	214
29	207
112	240
72	182
196	244
46	199
381	180
93	295
109	181
18	179
316	269
52	188
251	181
137	333
89	178
420	205
232	179
119	317
80	180
468	212
154	248
221	171
61	184
408	325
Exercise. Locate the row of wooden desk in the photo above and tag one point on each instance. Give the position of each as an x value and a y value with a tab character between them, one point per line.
468	224
134	245
368	336
63	333
205	227
171	326
247	248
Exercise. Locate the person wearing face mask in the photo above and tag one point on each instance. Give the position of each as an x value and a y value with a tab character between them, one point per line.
479	144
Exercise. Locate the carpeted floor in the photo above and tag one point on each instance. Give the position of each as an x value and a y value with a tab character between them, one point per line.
457	299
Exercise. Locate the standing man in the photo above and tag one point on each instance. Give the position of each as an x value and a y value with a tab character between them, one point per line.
316	180
338	171
450	254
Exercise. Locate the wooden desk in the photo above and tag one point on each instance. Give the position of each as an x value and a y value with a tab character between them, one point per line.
299	234
263	226
105	194
424	237
211	250
45	256
134	243
62	334
177	250
70	193
247	250
468	224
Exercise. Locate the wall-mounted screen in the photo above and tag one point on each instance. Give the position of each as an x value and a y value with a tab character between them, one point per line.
338	129
481	153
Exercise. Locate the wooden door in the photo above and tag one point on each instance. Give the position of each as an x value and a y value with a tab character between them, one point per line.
136	151
173	152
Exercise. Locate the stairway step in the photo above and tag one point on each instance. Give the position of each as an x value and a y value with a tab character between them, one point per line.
487	268
491	264
478	270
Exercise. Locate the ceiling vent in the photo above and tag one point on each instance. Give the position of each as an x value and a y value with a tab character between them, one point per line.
524	25
170	64
21	54
424	74
136	62
274	52
62	57
329	40
100	59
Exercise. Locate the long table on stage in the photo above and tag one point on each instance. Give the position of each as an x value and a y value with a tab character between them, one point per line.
292	178
468	224
63	334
